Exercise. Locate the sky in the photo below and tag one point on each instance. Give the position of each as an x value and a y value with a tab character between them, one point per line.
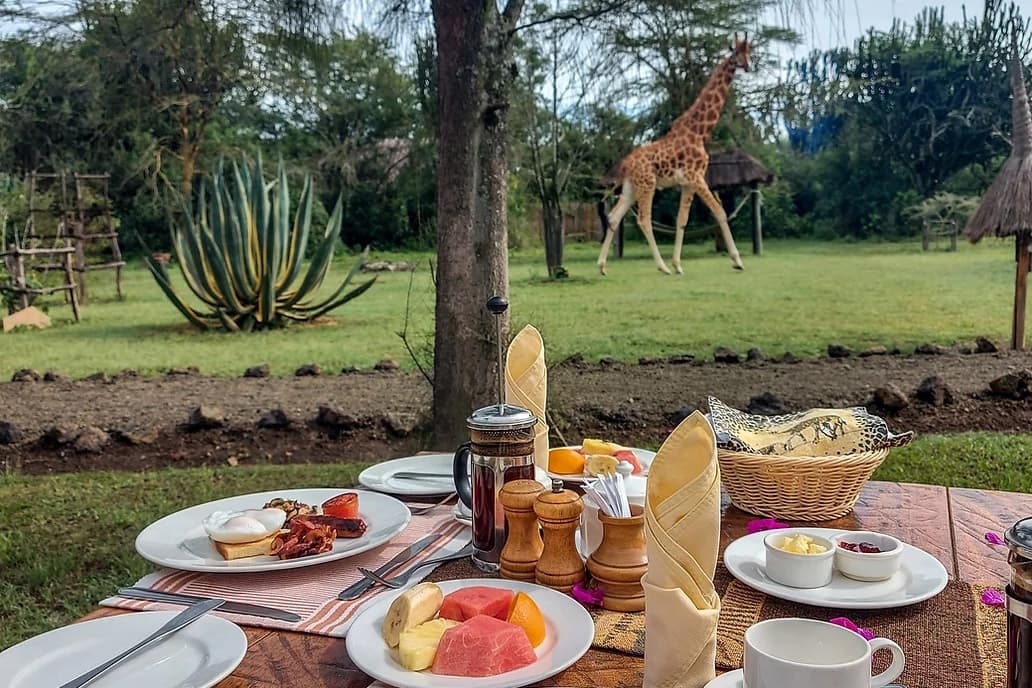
847	20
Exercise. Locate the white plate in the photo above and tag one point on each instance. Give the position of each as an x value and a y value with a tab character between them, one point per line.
178	541
378	477
462	515
732	679
644	457
568	627
199	656
920	577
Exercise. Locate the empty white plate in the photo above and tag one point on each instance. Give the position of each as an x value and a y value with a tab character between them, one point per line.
920	577
381	476
569	632
179	541
198	656
732	679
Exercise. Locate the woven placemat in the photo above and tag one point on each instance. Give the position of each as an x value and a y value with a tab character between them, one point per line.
952	640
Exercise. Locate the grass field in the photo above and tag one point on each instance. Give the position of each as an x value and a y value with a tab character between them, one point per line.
67	539
798	297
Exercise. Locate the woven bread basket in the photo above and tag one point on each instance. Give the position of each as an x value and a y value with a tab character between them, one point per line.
797	488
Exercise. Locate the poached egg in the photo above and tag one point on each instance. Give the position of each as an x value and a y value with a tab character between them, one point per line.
235	527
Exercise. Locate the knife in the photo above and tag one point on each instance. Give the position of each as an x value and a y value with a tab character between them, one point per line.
228	607
353	592
415	475
178	622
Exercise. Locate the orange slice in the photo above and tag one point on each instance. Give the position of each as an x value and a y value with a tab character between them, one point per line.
565	461
526	615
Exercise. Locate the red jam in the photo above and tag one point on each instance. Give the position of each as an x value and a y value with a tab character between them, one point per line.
863	547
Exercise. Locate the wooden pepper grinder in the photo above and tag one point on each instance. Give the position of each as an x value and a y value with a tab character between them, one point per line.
620	561
559	511
523	545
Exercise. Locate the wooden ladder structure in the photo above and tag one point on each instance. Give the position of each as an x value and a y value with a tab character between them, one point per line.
93	224
53	247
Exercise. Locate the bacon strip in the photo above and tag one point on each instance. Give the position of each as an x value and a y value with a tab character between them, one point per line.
304	539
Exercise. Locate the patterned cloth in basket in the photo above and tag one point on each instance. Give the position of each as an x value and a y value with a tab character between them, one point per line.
817	432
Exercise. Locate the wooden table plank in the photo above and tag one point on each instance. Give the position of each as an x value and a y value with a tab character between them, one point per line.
975	513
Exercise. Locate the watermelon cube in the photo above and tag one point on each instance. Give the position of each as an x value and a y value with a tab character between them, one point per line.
630	457
476	600
482	646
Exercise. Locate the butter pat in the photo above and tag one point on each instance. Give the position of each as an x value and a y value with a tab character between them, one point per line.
801	544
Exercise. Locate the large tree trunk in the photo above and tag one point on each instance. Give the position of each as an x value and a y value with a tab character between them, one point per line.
472	251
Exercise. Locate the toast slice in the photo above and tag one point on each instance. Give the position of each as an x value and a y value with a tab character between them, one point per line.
241	550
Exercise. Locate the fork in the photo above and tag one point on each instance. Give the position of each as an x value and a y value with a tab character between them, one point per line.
400	580
419	511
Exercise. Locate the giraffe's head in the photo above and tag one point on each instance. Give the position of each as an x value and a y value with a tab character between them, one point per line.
742	52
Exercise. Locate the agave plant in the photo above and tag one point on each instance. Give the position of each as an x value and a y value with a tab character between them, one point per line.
242	255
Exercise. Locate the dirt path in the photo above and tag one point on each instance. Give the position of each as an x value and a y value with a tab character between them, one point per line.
381	410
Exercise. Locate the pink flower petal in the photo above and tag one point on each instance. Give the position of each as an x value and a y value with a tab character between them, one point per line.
587	597
993	598
865	633
993	539
761	524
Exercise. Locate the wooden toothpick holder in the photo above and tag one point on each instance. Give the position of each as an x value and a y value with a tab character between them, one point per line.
620	561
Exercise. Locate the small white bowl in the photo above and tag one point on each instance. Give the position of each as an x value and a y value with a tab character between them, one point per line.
798	570
868	567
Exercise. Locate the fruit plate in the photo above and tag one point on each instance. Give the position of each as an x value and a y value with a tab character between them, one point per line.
568	627
179	541
644	456
198	656
920	577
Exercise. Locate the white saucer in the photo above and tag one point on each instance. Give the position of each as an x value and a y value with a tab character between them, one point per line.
920	577
200	655
732	679
380	477
461	515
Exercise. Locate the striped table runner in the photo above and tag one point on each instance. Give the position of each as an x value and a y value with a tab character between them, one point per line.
310	592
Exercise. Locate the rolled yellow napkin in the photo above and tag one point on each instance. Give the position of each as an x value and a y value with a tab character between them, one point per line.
526	384
682	535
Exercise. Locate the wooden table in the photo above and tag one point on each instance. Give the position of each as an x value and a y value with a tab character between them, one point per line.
950	524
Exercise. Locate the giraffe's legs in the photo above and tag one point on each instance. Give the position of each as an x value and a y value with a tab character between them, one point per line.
707	197
645	195
613	220
682	219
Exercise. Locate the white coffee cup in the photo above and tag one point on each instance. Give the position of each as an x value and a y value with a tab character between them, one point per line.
802	653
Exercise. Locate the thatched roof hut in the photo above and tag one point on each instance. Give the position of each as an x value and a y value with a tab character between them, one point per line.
1006	208
734	169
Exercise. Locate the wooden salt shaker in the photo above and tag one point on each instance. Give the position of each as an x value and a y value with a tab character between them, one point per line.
523	544
620	561
559	511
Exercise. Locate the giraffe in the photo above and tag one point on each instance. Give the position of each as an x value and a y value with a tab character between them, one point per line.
677	159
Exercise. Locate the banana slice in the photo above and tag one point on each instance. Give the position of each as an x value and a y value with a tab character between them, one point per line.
417	646
600	464
411	608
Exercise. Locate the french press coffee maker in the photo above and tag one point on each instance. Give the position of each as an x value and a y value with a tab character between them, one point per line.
500	449
1019	605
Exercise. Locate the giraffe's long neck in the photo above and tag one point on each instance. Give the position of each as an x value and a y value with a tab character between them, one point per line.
703	115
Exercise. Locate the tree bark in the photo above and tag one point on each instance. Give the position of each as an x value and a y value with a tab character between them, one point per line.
552	231
472	239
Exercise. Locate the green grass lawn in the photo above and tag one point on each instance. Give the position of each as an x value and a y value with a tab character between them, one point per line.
67	540
799	296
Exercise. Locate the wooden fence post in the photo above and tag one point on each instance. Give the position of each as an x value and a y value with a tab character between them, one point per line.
1020	291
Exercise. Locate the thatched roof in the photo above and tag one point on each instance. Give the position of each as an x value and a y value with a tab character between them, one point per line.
735	168
1006	208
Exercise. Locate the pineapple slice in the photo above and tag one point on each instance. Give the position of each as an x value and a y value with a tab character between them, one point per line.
599	447
418	645
599	464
